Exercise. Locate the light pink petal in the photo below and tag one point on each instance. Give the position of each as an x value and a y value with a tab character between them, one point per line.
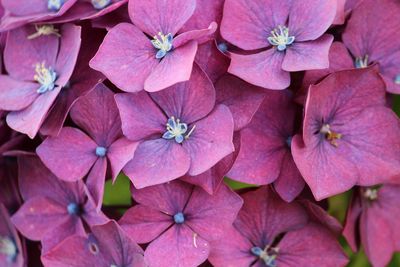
126	57
30	119
308	55
188	101
15	94
175	67
70	155
157	161
119	154
154	16
140	116
308	20
185	37
144	223
179	246
211	140
248	24
95	181
263	69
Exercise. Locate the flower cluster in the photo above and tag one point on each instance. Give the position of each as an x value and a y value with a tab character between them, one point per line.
292	99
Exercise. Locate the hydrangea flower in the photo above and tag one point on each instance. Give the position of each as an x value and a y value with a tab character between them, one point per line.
74	154
372	221
264	155
365	28
53	210
180	129
107	246
290	34
132	61
349	136
270	232
179	220
37	69
11	249
20	12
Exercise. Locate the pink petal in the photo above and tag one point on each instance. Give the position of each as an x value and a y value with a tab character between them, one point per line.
119	154
15	94
154	16
70	155
185	37
157	161
96	180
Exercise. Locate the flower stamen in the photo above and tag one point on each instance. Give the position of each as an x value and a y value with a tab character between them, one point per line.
8	248
54	5
280	38
44	30
100	4
330	135
268	255
177	130
361	62
397	79
371	193
46	77
163	44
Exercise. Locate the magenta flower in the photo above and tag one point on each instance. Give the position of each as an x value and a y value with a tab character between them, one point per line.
265	156
53	209
180	129
349	136
11	249
38	70
20	12
372	221
365	28
291	33
74	154
106	246
270	232
132	61
179	220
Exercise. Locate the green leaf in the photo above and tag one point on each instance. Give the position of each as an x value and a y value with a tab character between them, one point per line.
237	185
119	193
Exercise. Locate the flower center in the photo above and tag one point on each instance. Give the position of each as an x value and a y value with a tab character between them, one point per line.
289	141
371	194
361	62
54	5
44	30
267	255
177	129
101	151
179	218
397	79
280	38
46	77
330	135
73	209
8	248
163	43
100	4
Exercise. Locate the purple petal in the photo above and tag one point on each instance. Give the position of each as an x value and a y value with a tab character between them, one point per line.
15	94
96	180
119	154
185	37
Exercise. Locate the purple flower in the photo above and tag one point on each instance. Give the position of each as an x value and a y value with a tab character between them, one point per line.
132	61
11	249
291	33
349	136
264	155
179	220
73	154
107	246
180	129
20	12
53	210
372	220
362	33
270	232
38	70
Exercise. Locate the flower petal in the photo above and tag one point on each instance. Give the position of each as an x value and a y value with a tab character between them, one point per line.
15	94
119	154
95	181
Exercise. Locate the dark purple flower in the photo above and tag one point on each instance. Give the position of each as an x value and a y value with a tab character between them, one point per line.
11	249
107	246
132	61
20	12
349	136
180	129
179	220
74	154
291	31
372	221
270	232
38	70
362	35
264	155
53	210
